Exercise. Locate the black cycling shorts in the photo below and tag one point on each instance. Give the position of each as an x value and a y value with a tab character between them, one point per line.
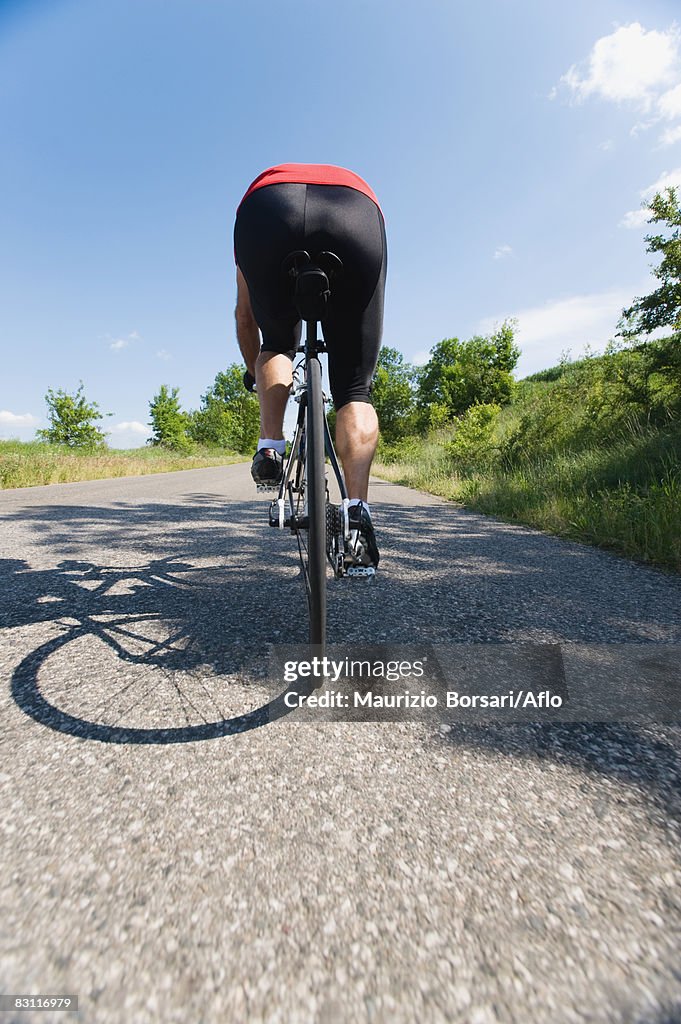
275	220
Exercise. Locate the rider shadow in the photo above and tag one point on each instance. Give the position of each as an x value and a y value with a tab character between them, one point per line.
167	649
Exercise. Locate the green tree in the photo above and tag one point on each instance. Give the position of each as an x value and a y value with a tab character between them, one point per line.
393	395
168	422
72	420
229	416
662	308
460	374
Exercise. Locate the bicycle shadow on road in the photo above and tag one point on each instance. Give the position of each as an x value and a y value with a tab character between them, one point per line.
447	575
166	649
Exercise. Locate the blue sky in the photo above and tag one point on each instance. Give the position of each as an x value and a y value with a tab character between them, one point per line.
510	144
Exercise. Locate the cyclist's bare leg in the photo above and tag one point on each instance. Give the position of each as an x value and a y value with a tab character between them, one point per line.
273	375
356	440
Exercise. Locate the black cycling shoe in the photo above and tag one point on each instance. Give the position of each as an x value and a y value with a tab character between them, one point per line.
267	468
362	547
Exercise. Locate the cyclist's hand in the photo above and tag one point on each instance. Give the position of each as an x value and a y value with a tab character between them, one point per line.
249	381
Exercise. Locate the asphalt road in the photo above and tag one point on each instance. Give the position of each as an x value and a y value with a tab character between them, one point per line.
169	858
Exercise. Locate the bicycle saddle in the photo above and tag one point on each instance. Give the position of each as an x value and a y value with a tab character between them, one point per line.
312	281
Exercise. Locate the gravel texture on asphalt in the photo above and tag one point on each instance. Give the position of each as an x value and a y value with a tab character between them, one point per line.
317	873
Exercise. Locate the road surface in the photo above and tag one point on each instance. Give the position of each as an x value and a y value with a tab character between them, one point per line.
330	872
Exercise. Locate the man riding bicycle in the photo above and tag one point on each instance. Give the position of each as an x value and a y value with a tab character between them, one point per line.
317	208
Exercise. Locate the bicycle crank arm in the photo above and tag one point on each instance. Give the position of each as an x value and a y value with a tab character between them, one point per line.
280	520
278	514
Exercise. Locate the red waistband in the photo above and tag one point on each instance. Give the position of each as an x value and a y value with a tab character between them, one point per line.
311	174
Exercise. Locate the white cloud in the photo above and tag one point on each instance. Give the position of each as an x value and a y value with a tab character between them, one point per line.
638	218
118	344
501	251
671	135
669	103
629	65
130	426
13	419
635	218
129	434
666	179
545	331
638	67
421	357
163	354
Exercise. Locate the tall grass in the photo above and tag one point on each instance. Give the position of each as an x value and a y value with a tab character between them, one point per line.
578	495
30	464
584	453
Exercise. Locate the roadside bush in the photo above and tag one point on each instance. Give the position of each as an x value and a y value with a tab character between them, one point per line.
473	444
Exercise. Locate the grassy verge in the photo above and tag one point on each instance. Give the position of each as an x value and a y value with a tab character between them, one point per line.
31	464
624	495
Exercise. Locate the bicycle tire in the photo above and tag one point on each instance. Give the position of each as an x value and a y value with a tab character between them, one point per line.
316	503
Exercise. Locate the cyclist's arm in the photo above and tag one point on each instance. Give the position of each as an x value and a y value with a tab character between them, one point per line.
247	333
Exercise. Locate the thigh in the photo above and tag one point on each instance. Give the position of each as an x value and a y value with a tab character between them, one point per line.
351	225
279	333
354	340
269	225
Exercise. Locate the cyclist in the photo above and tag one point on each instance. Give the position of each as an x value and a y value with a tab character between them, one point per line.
317	208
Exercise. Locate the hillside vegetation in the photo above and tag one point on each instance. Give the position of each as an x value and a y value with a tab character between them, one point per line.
589	450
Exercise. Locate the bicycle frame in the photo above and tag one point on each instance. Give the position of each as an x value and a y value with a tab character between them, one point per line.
284	512
322	530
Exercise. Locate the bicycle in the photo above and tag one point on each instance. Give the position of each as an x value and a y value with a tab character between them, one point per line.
303	504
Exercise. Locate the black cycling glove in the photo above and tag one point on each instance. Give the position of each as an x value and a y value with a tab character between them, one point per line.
249	381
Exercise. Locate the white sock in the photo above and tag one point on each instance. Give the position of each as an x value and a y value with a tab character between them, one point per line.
357	501
269	442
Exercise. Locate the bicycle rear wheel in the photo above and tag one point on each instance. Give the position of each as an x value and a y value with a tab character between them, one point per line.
316	503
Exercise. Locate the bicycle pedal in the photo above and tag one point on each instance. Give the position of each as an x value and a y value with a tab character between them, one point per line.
359	571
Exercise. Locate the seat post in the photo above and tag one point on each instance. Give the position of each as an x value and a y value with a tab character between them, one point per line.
311	339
